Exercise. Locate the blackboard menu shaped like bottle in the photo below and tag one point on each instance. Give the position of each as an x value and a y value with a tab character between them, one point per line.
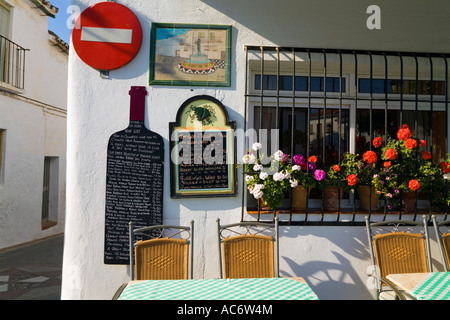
134	180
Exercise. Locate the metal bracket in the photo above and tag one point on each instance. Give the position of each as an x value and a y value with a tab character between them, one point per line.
104	74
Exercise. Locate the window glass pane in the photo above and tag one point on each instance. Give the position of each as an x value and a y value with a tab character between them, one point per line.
336	132
316	84
286	83
301	83
4	20
423	87
377	85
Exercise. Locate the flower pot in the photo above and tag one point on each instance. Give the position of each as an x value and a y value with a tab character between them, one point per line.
332	196
299	195
367	201
409	200
262	206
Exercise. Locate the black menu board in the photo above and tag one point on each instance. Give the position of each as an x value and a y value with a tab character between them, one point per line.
134	181
200	173
202	150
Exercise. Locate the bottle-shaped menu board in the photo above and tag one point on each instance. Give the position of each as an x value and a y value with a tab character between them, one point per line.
134	180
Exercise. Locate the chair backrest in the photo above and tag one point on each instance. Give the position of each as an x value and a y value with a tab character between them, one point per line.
443	239
164	253
399	246
248	249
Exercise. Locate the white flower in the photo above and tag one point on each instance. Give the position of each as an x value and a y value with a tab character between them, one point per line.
258	194
248	178
257	191
296	167
249	158
278	176
279	155
263	175
256	146
447	176
257	167
286	174
293	183
256	188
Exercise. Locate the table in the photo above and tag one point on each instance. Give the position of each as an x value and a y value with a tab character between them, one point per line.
218	289
424	286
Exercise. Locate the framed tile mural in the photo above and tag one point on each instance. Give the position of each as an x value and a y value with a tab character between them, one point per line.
190	55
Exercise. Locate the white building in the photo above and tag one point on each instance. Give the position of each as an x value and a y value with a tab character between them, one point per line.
274	39
33	93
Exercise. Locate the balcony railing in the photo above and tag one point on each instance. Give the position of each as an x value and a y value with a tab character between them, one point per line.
12	63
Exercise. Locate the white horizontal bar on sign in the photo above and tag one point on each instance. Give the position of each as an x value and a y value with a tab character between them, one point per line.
106	35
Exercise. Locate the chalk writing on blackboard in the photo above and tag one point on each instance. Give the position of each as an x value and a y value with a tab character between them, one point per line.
134	182
202	162
202	150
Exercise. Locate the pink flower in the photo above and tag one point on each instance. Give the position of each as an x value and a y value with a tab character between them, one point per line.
319	174
298	159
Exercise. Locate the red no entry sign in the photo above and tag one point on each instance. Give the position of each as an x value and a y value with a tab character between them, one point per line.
107	36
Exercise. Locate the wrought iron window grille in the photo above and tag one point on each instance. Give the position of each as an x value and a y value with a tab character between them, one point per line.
268	71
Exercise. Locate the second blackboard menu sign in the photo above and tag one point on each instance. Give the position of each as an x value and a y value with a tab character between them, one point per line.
202	150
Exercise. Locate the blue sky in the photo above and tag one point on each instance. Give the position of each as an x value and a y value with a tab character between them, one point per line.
59	24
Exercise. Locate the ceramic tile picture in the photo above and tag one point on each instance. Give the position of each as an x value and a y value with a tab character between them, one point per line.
190	55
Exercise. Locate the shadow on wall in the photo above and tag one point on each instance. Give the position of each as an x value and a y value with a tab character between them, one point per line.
330	259
330	24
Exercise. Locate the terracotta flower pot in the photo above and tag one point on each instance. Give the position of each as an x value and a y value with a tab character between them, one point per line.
366	201
299	195
409	200
262	206
331	198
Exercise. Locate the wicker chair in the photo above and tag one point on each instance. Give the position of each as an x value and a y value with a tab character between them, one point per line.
248	249
397	246
164	253
443	240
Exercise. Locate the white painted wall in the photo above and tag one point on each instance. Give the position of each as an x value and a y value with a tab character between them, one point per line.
35	123
332	259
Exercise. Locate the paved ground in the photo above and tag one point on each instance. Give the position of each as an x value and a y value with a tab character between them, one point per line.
32	271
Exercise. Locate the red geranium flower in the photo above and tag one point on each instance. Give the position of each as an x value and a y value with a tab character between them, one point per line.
387	164
312	159
426	155
404	133
423	143
445	167
352	179
336	168
414	184
390	154
410	143
370	157
377	142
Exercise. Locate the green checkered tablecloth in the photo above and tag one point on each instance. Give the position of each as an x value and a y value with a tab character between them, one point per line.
435	286
219	289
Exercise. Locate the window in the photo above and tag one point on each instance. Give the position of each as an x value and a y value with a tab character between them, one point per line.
12	56
50	192
4	19
422	87
4	33
326	102
301	83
